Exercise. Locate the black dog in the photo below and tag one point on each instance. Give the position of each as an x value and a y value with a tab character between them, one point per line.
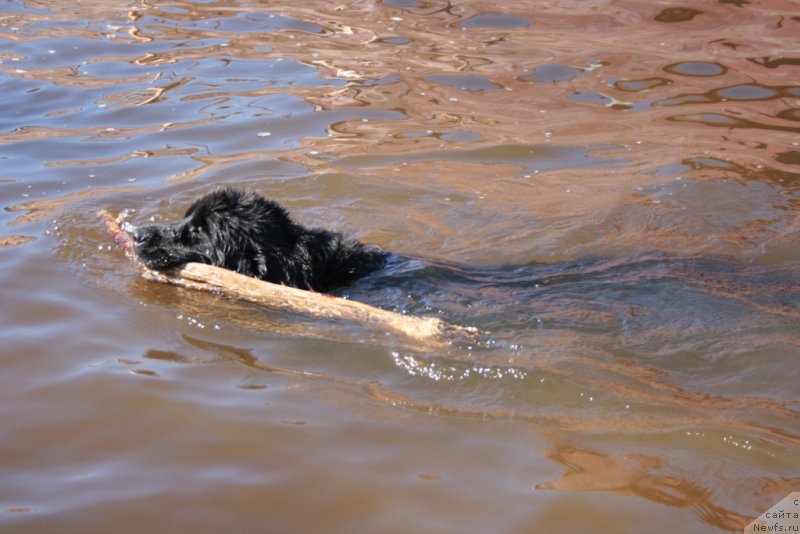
247	233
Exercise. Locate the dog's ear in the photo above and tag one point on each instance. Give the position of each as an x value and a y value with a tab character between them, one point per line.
221	201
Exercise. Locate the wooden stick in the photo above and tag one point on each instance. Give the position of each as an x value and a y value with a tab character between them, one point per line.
429	330
113	224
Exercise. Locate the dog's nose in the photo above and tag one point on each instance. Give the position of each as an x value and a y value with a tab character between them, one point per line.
143	235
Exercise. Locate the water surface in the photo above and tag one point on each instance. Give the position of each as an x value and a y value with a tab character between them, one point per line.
609	193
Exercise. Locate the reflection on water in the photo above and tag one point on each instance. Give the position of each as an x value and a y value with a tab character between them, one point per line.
610	195
696	68
678	14
495	20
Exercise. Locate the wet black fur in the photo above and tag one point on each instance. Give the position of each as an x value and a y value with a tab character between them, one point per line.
245	232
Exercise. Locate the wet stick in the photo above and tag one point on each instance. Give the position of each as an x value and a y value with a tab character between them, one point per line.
428	330
113	224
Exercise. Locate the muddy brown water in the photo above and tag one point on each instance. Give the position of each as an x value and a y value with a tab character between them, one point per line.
609	191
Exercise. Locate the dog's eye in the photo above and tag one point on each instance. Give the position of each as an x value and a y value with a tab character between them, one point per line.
189	232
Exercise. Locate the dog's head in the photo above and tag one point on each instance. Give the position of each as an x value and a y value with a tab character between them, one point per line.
226	228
